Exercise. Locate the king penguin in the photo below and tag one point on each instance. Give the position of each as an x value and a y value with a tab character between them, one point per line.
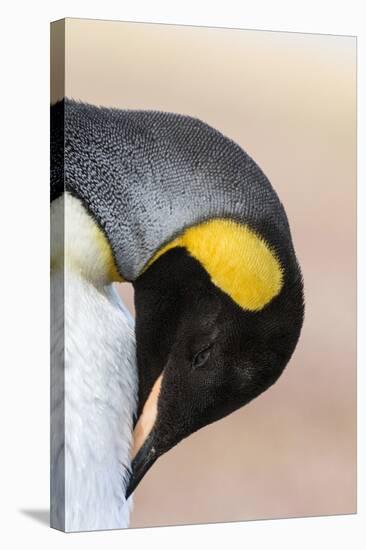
181	211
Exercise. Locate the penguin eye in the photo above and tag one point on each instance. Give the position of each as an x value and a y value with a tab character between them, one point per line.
201	357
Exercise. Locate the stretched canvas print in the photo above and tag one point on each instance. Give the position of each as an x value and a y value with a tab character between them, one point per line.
202	275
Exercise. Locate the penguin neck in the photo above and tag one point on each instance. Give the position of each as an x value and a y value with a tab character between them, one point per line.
80	244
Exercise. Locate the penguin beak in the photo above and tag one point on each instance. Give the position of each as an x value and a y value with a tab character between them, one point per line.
142	463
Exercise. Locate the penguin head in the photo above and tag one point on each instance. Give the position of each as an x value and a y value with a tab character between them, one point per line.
201	355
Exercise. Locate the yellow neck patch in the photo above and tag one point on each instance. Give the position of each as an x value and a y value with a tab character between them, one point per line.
106	256
238	260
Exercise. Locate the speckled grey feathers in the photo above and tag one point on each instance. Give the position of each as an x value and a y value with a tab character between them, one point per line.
145	176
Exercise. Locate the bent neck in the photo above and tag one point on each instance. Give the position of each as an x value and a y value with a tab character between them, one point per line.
80	244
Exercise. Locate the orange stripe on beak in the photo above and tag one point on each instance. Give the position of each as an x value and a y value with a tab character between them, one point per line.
147	418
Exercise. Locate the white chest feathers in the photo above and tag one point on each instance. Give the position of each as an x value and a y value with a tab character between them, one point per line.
93	381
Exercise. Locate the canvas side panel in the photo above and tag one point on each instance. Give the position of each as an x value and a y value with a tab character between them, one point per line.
57	435
57	69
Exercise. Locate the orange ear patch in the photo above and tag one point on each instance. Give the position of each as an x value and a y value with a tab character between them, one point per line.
238	260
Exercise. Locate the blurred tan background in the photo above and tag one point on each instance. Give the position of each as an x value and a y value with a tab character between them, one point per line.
290	101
